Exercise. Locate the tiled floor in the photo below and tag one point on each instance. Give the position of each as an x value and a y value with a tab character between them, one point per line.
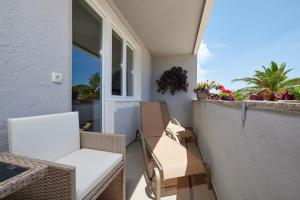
136	184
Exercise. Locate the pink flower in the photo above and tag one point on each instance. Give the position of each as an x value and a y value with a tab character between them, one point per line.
221	87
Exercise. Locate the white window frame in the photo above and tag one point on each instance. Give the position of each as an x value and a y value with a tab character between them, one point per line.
122	64
104	54
111	20
134	71
126	42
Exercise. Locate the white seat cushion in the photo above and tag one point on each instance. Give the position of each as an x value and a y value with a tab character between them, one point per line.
92	167
46	137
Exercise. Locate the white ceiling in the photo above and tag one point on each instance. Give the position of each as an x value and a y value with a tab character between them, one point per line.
166	27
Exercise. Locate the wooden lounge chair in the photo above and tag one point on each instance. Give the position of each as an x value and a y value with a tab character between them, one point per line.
81	165
166	159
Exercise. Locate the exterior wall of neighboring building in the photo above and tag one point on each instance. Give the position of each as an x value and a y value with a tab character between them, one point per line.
255	158
180	105
35	40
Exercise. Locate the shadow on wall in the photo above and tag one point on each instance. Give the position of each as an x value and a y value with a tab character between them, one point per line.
180	107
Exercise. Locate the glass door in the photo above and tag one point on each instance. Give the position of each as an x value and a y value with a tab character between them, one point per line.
87	67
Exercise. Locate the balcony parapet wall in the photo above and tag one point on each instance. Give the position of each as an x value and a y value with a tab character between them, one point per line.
252	148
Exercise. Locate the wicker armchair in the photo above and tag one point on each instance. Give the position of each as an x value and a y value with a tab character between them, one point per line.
60	180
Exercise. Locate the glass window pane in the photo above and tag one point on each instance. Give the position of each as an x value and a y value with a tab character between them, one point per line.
117	58
129	72
87	68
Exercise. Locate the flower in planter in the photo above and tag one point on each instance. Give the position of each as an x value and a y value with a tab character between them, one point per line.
256	97
227	91
297	93
205	87
203	91
287	96
221	87
226	95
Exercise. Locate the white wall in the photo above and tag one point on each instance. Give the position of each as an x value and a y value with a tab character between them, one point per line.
35	40
257	160
146	76
127	119
180	105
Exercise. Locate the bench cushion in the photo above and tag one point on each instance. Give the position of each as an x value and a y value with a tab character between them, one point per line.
92	166
47	137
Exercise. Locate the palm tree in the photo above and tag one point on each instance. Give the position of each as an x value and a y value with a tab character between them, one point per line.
94	81
88	92
269	82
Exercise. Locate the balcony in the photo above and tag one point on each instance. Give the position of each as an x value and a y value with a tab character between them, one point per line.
102	58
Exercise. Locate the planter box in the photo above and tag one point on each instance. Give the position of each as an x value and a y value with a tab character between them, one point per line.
201	95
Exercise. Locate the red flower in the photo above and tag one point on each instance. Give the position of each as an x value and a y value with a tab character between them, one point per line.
227	91
221	87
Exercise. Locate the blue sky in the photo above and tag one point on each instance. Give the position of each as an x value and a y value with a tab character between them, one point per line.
84	65
243	35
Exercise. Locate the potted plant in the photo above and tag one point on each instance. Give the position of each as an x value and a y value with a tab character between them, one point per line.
297	93
203	89
174	80
223	94
226	95
291	96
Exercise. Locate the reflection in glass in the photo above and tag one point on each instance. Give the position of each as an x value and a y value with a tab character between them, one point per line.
8	171
117	58
87	68
129	72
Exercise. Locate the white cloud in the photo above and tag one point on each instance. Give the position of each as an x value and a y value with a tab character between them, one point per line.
204	56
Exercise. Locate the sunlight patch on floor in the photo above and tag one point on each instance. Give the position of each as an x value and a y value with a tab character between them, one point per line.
136	184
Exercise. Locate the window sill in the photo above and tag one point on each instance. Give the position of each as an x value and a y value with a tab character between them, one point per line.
122	99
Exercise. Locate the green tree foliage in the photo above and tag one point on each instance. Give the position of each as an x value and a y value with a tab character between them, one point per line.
269	82
91	91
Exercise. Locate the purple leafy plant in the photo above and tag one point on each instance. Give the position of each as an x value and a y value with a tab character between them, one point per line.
174	80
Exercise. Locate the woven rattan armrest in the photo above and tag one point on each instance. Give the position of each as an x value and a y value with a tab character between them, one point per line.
103	142
59	183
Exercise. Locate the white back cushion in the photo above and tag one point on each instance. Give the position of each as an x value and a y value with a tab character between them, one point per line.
47	137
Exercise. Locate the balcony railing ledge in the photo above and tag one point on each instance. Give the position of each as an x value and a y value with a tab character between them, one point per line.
282	106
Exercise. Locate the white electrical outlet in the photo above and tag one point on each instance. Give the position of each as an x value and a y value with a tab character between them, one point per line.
57	77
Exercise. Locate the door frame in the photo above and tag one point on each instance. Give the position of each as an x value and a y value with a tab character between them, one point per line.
92	9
